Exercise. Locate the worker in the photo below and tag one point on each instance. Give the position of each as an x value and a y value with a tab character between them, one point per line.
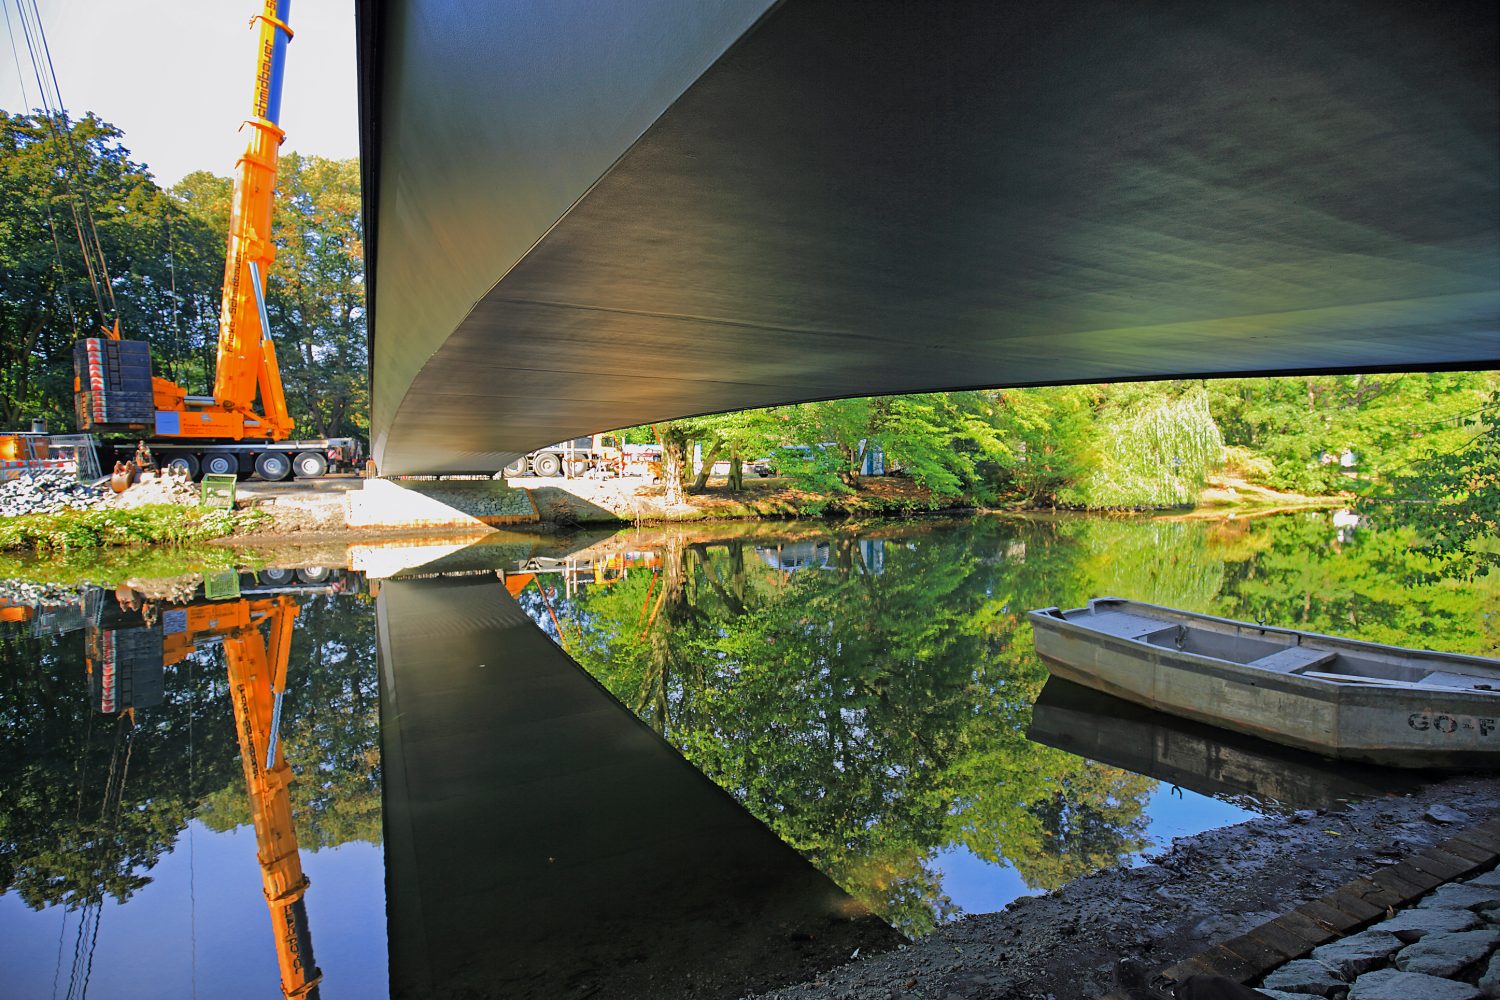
144	461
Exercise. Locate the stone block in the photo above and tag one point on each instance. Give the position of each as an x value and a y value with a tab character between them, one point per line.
1412	925
1489	880
1359	953
1393	984
1460	896
1306	976
1447	954
1489	983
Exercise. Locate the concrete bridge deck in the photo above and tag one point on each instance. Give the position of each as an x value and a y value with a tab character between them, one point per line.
585	215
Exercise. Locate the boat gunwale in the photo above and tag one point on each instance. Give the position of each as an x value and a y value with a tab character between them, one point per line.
1487	665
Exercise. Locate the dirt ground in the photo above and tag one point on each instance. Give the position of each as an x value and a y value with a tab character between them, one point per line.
1206	889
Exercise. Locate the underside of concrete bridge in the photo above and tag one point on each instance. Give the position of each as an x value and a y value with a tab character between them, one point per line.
583	215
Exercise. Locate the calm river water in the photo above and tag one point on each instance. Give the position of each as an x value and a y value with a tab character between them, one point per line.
785	742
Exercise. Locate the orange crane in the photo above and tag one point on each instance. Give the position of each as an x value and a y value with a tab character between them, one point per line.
257	665
226	433
247	356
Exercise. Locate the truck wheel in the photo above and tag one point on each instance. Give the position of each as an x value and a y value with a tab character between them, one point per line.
185	461
273	466
276	577
220	463
547	464
315	574
514	469
309	465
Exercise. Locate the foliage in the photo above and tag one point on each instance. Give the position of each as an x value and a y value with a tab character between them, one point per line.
151	524
150	243
1300	425
1129	445
90	802
867	695
1451	499
1053	442
1156	453
864	698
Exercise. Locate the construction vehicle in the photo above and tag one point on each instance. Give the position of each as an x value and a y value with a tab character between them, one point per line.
574	458
225	433
592	456
129	642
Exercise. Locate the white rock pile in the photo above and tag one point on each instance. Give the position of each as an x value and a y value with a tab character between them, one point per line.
157	487
47	492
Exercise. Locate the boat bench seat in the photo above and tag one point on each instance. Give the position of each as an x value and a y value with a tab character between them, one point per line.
1294	658
1121	624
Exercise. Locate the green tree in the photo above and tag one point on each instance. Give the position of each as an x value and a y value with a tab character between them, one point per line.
316	295
1451	498
864	699
1154	452
165	257
51	168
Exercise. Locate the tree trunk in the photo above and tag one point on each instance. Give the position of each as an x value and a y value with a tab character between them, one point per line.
736	471
673	461
708	464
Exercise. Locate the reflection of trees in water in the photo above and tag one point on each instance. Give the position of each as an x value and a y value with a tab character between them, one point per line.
873	714
1373	586
869	710
330	728
64	840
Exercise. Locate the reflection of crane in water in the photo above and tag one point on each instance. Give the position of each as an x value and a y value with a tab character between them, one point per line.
257	665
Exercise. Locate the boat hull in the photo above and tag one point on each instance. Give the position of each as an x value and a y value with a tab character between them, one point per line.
1402	726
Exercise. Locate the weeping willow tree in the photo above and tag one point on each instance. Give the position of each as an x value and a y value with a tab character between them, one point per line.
1155	454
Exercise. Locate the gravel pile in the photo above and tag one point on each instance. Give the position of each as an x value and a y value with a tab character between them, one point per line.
46	492
157	487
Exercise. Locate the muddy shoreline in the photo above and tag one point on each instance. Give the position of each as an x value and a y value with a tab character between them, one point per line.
1204	890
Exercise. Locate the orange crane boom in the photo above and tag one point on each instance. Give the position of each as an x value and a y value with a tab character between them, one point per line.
257	679
246	364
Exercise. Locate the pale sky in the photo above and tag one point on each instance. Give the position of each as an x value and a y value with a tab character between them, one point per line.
176	77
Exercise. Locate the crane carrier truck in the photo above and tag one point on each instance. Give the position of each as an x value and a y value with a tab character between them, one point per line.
116	393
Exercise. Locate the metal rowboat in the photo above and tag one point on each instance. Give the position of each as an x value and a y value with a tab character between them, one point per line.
1340	697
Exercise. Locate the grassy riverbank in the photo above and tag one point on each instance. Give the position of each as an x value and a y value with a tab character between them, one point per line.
153	525
618	501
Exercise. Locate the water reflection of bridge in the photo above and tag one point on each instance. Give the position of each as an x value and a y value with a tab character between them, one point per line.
543	842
